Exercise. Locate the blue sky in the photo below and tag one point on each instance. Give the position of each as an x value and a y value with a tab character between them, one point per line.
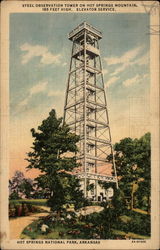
39	61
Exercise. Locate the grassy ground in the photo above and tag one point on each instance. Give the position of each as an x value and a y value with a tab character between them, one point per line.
129	234
56	231
60	231
38	202
140	211
125	218
80	228
24	207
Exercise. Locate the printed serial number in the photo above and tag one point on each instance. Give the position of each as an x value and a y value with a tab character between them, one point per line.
138	241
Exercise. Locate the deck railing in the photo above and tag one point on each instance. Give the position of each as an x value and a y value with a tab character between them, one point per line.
82	26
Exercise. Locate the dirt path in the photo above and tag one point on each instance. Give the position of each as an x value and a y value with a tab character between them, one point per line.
17	225
90	210
47	209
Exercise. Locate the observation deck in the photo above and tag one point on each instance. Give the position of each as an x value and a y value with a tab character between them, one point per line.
84	26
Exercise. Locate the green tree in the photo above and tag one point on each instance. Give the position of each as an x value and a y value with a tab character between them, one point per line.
26	188
133	168
19	186
15	185
53	153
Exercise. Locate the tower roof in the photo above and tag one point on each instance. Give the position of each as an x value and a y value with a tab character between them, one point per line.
85	26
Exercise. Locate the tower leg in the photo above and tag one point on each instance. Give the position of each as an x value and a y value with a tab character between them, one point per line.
96	190
85	188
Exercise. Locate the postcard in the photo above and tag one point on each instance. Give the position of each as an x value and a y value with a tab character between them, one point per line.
79	125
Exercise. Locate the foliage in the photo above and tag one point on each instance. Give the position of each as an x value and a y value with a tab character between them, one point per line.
14	196
122	235
138	223
27	188
37	202
15	184
132	158
103	225
90	186
133	167
20	186
23	209
53	153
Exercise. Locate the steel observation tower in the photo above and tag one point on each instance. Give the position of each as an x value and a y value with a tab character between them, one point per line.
85	109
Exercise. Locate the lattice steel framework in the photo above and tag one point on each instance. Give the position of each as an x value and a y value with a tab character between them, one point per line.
85	109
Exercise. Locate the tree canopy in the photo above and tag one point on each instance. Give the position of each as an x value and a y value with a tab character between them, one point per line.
133	163
19	186
53	153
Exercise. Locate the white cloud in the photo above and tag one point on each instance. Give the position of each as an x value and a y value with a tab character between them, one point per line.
40	87
56	93
143	60
111	81
145	76
135	80
46	57
132	81
126	57
24	102
120	69
64	64
105	71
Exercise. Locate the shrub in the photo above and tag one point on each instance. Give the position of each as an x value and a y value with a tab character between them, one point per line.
25	210
12	212
18	209
14	196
